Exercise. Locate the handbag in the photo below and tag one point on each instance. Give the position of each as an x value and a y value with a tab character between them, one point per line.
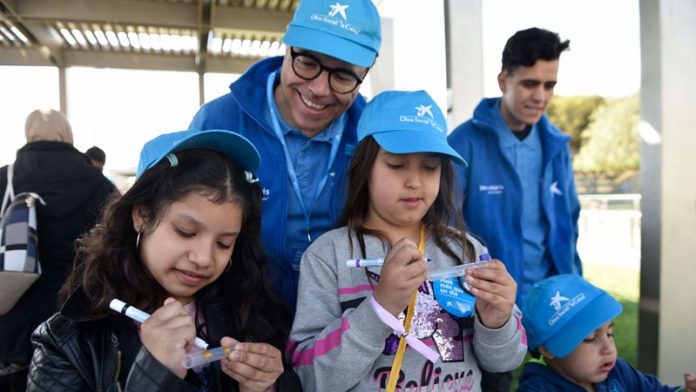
19	252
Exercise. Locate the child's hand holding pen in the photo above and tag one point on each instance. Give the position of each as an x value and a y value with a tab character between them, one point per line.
255	366
495	292
404	270
167	333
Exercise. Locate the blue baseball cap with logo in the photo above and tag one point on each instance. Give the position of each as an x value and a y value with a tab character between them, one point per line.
561	311
405	122
348	30
235	146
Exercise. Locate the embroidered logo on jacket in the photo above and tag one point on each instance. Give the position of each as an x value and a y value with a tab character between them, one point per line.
554	189
496	189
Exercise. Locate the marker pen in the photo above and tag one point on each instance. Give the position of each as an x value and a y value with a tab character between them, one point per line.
206	356
140	316
364	263
458	270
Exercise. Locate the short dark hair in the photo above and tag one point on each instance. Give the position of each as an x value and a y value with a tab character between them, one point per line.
525	47
96	153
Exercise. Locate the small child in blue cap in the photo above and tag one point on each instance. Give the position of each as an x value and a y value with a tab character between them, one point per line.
570	323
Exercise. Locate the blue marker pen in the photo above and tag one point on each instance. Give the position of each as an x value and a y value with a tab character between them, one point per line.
364	263
458	270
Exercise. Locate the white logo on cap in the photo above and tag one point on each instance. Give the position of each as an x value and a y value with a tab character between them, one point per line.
338	8
565	308
556	300
331	18
423	110
420	117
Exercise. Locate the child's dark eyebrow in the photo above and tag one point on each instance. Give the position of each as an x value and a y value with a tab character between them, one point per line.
611	325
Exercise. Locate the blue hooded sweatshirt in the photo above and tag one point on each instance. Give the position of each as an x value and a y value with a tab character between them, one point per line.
491	193
623	377
242	111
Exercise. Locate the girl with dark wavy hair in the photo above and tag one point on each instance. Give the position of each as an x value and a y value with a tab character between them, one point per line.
181	244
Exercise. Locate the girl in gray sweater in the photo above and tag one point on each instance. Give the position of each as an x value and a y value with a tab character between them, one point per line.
351	323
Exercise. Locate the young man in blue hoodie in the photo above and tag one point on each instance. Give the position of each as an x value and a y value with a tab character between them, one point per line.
518	191
301	110
570	323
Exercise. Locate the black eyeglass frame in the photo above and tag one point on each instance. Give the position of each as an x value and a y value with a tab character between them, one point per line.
323	68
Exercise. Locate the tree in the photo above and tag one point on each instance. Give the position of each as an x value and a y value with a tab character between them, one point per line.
573	114
611	143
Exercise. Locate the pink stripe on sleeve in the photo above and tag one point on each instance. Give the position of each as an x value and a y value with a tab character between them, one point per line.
320	347
521	329
354	290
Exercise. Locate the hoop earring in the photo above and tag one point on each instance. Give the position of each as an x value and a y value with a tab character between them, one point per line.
137	241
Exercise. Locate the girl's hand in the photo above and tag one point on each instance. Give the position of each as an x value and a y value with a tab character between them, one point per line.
403	271
495	292
255	366
167	333
689	382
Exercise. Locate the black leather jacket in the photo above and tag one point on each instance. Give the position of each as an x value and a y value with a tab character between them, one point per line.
72	352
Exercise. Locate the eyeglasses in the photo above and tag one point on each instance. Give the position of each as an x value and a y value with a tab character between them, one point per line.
308	67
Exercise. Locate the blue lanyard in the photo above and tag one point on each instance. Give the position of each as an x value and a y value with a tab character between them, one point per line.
292	175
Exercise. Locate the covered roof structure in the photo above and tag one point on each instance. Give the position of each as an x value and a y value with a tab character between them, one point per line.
178	35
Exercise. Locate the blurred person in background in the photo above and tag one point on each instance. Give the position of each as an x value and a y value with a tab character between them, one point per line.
97	157
74	193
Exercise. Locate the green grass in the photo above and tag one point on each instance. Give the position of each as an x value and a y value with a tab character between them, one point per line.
622	284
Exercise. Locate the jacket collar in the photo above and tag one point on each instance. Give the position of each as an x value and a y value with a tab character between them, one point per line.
552	139
48	145
77	307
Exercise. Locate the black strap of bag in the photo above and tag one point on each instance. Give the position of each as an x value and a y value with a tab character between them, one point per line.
9	191
19	256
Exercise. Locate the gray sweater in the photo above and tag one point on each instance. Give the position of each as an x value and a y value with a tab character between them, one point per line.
338	342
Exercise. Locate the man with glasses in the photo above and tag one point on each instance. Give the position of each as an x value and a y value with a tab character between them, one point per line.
301	111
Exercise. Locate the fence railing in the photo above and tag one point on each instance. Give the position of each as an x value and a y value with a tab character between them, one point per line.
609	228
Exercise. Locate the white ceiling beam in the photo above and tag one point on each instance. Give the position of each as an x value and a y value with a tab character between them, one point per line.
153	61
9	4
22	56
251	19
228	65
129	60
148	13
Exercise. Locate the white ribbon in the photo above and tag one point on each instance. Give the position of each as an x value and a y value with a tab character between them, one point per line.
412	340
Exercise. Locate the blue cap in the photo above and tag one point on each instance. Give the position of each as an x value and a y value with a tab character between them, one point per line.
404	122
561	311
348	30
235	146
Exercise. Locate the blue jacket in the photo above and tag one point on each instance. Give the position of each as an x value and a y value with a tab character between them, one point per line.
491	192
622	378
241	111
